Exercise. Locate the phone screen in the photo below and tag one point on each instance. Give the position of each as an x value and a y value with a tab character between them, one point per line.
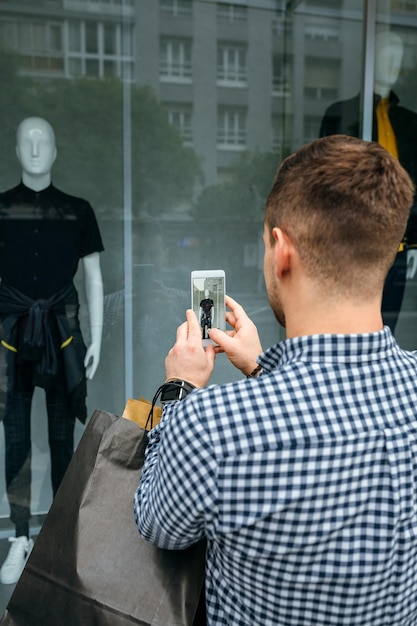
208	292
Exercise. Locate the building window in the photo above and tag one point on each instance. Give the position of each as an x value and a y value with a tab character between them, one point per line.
39	44
331	4
231	128
280	73
33	37
311	127
231	13
180	116
322	30
278	27
176	8
231	64
91	38
110	39
108	6
321	78
8	35
175	60
94	49
277	134
74	37
404	5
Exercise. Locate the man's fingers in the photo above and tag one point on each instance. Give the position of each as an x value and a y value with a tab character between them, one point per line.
211	352
221	338
194	328
230	318
236	313
182	332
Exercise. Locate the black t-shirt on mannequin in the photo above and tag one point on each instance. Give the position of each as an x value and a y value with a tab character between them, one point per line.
43	236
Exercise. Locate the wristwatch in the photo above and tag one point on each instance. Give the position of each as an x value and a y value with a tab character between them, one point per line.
176	390
256	372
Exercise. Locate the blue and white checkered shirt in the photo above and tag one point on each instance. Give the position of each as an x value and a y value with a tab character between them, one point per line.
304	482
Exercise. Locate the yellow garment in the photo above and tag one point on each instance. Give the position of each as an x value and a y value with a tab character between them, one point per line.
386	136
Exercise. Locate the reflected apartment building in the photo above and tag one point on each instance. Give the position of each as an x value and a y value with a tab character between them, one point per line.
219	68
253	75
237	76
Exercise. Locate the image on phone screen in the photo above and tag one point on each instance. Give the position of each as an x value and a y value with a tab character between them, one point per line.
208	292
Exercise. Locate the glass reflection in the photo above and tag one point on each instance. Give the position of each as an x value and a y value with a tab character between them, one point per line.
172	117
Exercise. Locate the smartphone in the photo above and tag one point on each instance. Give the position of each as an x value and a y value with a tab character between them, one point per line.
208	288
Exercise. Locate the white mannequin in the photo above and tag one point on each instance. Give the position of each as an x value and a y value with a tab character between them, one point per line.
389	51
36	151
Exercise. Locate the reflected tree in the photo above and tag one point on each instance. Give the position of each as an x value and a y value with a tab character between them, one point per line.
87	115
242	195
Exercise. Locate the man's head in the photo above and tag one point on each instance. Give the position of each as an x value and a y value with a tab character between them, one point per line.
35	147
344	205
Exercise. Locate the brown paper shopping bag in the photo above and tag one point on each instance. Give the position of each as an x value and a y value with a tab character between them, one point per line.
138	411
89	565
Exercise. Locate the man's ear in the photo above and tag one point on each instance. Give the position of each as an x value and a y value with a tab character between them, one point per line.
284	252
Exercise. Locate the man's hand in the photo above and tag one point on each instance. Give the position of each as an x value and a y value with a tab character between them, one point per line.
242	344
187	359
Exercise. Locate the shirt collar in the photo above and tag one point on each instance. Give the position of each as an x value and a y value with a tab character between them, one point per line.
327	347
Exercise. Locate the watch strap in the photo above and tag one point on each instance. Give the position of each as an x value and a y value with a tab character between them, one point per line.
176	389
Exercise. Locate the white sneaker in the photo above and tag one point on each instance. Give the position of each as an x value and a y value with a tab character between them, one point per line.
15	562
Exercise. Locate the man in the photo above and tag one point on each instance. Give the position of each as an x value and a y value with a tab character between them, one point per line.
303	476
44	234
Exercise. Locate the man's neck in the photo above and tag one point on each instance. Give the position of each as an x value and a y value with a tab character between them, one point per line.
331	326
313	315
36	183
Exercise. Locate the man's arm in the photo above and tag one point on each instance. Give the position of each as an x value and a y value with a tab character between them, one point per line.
94	294
177	491
175	501
174	490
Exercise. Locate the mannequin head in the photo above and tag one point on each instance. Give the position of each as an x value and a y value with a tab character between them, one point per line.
36	151
389	52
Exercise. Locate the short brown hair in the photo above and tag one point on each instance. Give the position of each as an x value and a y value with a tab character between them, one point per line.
344	202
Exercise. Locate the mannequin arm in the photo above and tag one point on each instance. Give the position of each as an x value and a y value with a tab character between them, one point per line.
94	294
411	263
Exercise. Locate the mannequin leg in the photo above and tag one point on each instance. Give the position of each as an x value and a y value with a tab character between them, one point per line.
18	458
60	434
18	481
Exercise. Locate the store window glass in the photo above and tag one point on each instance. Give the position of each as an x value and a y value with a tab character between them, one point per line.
170	119
394	124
